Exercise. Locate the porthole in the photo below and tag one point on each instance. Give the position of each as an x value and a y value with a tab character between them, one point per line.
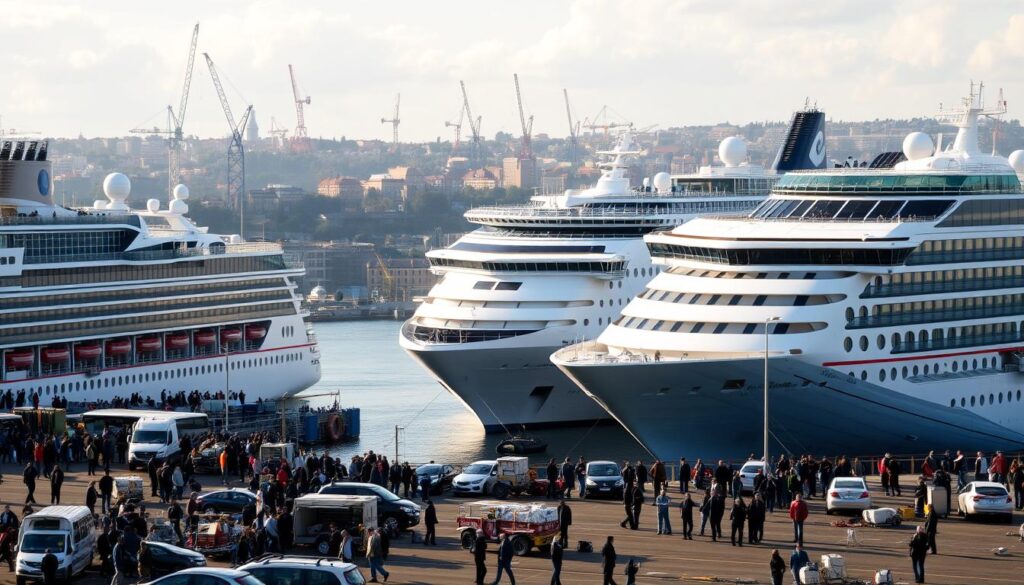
620	284
984	363
963	402
601	302
972	400
881	375
863	312
863	374
904	371
991	399
974	364
599	321
863	343
1018	395
1000	398
952	403
956	366
982	400
611	285
895	339
586	322
892	373
849	313
881	343
847	344
926	369
916	370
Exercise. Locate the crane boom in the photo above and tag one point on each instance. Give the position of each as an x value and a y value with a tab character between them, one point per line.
525	150
224	104
394	121
183	105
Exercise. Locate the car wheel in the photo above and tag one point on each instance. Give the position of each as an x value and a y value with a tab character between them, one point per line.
828	511
21	581
322	546
468	539
1009	518
501	491
521	545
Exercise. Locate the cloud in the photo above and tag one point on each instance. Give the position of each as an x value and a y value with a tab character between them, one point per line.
1003	52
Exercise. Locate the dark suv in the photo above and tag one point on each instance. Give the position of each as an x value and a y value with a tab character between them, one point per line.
393	513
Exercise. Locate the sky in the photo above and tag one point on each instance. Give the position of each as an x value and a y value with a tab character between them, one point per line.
103	67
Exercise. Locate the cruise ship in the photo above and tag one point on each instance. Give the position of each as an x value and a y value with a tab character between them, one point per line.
536	277
885	307
105	301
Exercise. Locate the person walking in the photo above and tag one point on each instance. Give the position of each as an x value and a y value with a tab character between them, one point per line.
479	551
556	562
798	513
608	561
684	476
152	468
564	522
569	477
960	469
505	555
918	553
738	516
641	475
658	476
552	475
581	476
1017	479
777	566
56	481
632	568
797	561
638	506
717	513
49	565
375	556
686	511
627	503
28	477
106	484
755	519
121	560
663	502
705	511
91	495
430	522
920	497
931	528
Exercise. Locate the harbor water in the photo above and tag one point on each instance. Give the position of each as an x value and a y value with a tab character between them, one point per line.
362	360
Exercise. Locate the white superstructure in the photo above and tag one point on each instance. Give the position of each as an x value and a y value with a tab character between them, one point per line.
893	300
540	276
103	302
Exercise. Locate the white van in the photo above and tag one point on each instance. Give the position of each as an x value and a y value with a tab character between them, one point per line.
157	435
69	532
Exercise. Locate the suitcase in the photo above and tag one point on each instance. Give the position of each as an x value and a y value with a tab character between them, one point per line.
907	514
833	567
937	500
879	515
884	577
809	575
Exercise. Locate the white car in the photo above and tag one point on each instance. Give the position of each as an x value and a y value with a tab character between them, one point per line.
985	498
477	478
748	472
207	576
288	570
847	493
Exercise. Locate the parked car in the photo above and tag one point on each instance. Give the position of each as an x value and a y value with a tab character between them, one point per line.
157	559
477	478
292	569
985	498
847	493
393	513
226	501
441	476
747	474
207	576
604	479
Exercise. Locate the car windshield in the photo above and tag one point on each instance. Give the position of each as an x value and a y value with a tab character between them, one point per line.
851	484
990	491
354	577
150	437
428	470
40	543
478	469
603	470
750	468
386	494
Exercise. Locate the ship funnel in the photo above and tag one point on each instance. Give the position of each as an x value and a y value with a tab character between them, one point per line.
804	147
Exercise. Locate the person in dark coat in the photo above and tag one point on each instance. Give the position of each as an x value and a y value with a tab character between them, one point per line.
91	495
154	481
723	475
28	477
705	511
738	516
920	497
686	511
56	481
552	471
894	477
638	505
564	522
717	512
430	522
49	566
479	551
608	561
641	475
627	503
505	556
931	528
918	553
755	520
684	476
285	529
778	567
556	562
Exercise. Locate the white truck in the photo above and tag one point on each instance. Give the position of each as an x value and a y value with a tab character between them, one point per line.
66	531
156	434
314	513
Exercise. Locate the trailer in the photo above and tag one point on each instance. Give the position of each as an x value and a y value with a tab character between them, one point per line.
516	478
528	525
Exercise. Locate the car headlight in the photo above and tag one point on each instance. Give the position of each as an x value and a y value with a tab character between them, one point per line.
198	561
477	482
591	482
410	510
620	483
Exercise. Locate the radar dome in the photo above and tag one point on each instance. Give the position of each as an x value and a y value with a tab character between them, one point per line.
117	187
99	204
1016	159
318	293
918	145
733	151
181	192
662	182
178	206
153	205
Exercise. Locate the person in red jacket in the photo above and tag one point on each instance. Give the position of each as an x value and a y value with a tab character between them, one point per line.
999	467
798	513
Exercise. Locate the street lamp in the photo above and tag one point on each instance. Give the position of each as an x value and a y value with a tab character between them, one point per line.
767	462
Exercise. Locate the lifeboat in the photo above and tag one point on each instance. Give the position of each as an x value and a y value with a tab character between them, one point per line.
205	338
255	332
231	335
119	347
23	358
55	355
177	340
87	351
147	344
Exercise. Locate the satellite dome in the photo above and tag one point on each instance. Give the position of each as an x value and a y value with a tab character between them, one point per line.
733	151
153	205
662	182
117	187
181	192
318	293
918	145
99	204
178	206
1016	159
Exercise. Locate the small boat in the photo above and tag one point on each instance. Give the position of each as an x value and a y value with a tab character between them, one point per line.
521	445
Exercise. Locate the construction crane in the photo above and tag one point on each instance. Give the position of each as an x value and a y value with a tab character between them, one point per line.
278	132
474	126
389	280
458	128
394	121
574	133
236	153
300	142
175	121
525	149
600	121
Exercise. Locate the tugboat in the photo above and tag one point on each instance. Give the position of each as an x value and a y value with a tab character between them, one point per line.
521	445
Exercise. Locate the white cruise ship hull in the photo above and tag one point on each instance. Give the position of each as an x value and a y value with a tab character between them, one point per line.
714	409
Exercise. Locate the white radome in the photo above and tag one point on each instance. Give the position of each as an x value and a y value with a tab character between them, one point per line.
662	182
918	145
117	187
181	192
178	206
1016	159
99	204
318	293
153	205
733	151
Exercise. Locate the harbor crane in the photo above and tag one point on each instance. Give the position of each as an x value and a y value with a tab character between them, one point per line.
458	128
526	148
236	152
279	133
14	132
601	122
474	126
394	121
176	120
300	142
574	133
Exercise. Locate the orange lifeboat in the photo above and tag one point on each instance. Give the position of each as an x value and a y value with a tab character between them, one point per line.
147	344
231	335
87	351
177	340
205	338
255	332
23	358
119	347
55	355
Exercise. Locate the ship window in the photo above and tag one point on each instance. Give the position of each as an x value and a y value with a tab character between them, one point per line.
676	326
802	208
856	209
863	343
848	344
483	285
508	286
697	327
721	327
972	400
749	328
886	210
781	329
881	343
